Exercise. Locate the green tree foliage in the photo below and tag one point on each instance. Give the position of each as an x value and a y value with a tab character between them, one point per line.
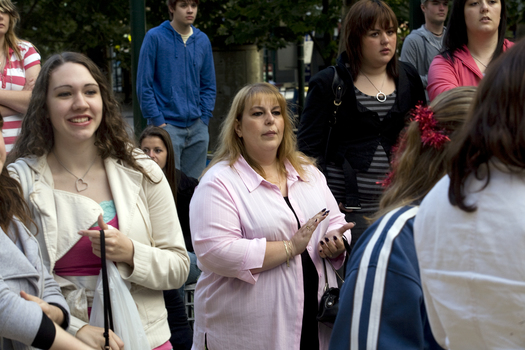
87	26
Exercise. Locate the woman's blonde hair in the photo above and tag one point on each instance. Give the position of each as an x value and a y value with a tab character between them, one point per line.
417	167
231	146
11	40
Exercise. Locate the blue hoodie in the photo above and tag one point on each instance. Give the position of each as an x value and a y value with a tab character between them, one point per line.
176	81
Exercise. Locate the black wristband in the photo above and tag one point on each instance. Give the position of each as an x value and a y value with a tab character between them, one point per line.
65	323
46	333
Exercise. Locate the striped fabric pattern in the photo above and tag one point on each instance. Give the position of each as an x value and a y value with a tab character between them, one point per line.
13	78
381	241
369	181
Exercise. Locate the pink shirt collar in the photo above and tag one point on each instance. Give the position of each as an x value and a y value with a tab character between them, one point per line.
252	180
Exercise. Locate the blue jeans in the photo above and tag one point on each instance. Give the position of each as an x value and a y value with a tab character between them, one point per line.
190	146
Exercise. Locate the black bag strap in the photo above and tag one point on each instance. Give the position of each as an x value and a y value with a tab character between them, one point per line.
347	248
338	88
108	315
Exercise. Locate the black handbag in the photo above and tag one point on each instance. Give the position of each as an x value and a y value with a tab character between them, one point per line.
329	305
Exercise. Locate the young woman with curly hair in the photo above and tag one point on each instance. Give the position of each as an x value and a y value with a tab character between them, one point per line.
33	312
81	174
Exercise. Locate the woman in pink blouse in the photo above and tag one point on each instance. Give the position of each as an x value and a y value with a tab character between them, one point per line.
262	219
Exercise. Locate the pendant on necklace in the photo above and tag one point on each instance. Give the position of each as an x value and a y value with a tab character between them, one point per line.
81	185
381	96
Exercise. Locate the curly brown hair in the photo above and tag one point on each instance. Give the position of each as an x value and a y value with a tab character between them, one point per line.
37	137
12	203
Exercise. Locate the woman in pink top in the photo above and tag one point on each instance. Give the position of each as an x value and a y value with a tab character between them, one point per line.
19	67
475	37
262	219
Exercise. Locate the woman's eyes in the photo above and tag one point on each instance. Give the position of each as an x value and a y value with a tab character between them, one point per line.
158	150
68	93
259	113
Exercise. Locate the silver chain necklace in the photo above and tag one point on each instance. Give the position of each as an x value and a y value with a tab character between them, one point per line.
477	59
381	96
79	180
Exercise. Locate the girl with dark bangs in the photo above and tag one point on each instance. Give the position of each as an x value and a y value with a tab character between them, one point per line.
352	142
470	229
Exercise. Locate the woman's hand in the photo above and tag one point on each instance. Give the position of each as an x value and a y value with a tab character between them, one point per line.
332	245
301	238
54	313
119	248
94	337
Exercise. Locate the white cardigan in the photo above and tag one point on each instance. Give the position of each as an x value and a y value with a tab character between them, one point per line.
146	214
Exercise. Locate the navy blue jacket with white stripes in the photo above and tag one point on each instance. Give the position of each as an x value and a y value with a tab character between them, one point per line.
381	303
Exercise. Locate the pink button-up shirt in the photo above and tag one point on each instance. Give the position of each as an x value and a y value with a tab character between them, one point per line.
234	211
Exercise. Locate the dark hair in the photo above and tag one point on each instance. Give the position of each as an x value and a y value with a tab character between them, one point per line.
169	168
456	33
495	129
362	17
172	3
37	136
12	203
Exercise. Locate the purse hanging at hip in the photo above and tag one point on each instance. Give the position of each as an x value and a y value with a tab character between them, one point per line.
329	305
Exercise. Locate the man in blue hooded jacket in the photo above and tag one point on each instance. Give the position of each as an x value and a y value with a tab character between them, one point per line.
176	84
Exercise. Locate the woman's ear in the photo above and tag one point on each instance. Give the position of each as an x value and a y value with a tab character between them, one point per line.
237	127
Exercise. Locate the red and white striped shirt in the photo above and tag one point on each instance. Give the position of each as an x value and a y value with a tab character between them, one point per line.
14	78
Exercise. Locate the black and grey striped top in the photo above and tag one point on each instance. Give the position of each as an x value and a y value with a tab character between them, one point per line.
368	182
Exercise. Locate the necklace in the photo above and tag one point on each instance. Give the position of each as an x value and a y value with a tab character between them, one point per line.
436	34
80	184
477	59
381	96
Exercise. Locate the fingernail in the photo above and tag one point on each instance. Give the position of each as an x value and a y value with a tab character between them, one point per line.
322	243
323	210
335	238
353	222
326	239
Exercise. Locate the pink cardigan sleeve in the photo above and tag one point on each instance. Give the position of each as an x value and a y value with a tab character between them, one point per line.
441	77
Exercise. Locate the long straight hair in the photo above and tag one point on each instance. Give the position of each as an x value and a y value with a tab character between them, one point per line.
169	168
495	128
11	40
418	167
456	33
231	146
12	203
